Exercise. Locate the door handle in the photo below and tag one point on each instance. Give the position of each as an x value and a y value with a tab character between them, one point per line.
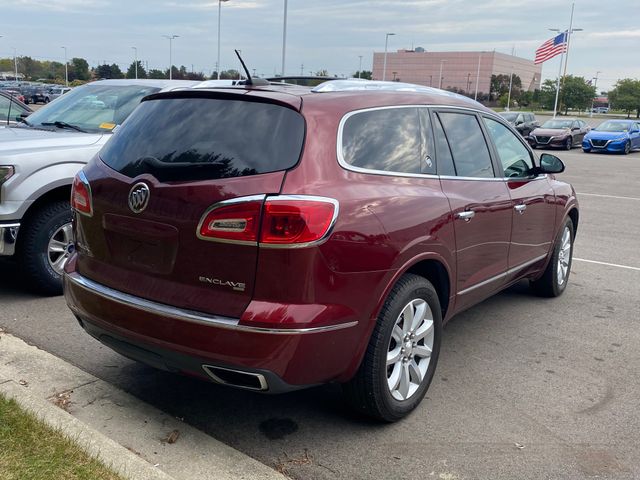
467	215
520	208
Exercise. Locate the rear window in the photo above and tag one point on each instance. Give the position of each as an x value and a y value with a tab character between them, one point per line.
184	139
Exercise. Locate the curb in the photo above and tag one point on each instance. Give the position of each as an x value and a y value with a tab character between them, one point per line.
136	439
112	454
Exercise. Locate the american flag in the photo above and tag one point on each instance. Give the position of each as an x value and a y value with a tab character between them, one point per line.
552	47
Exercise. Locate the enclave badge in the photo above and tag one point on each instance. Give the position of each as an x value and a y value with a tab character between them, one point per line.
139	197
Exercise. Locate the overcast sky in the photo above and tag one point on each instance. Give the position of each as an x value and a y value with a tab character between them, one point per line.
322	34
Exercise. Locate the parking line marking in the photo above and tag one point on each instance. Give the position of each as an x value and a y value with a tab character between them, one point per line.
609	196
608	264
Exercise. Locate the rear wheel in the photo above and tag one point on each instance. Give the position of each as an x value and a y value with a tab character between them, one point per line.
568	144
586	150
402	354
45	244
627	148
556	276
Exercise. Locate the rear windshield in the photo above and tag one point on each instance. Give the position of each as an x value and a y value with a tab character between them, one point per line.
184	139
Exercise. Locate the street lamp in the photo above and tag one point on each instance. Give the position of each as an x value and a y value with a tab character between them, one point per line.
595	86
284	36
170	37
384	67
15	63
136	60
66	68
442	62
219	12
360	68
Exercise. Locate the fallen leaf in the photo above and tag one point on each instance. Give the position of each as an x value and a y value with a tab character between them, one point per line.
172	437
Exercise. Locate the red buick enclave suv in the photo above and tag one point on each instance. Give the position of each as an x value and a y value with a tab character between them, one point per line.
276	237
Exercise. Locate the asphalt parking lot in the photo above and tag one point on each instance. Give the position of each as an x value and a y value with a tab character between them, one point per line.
526	388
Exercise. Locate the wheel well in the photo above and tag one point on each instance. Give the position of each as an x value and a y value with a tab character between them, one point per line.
56	195
436	273
574	216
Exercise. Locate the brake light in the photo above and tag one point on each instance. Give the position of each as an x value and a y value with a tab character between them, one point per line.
236	222
278	221
291	220
81	200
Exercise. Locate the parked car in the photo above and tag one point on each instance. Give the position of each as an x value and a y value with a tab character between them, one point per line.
524	122
276	237
12	110
56	92
15	93
617	136
38	160
559	133
600	110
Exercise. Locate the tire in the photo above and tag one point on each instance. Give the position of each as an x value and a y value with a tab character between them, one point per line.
549	284
568	145
46	100
627	148
369	392
585	150
48	225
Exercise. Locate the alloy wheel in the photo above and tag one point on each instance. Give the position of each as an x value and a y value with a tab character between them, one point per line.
60	248
564	257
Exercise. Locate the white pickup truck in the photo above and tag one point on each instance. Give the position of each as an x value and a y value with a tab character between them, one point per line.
38	161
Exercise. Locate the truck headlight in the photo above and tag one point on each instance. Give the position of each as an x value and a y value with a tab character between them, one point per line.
6	172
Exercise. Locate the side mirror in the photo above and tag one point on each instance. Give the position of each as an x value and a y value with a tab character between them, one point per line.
575	128
25	114
519	122
550	164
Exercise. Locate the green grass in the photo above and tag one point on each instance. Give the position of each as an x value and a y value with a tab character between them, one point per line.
30	450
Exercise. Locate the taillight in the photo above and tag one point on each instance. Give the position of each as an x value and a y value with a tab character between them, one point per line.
235	222
81	200
295	220
278	221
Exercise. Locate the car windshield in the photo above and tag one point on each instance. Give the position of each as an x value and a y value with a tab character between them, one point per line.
92	107
557	124
509	117
611	126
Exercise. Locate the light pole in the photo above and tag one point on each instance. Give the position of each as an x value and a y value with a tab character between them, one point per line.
284	37
360	68
170	37
595	86
219	13
442	62
66	68
136	60
384	66
475	97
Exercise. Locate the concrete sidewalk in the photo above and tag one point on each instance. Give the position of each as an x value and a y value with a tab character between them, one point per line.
135	439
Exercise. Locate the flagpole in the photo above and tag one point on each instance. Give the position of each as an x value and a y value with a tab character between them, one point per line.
555	105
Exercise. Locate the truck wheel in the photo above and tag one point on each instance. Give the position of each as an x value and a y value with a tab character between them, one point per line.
45	244
402	353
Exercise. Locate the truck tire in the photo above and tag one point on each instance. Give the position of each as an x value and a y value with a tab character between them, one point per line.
44	245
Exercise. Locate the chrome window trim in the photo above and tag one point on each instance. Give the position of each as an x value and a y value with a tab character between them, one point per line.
186	315
311	198
502	275
349	167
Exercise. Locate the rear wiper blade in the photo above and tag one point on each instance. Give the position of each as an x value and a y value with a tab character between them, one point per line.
64	125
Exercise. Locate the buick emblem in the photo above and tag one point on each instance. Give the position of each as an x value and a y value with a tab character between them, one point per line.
139	197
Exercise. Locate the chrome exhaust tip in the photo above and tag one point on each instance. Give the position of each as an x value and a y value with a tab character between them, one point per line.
237	378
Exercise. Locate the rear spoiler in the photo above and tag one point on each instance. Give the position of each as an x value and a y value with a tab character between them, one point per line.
283	99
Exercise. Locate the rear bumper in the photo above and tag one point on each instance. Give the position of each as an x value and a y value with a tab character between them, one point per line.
183	340
8	238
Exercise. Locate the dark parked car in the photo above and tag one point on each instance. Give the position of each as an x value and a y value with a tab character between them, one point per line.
559	133
277	237
524	122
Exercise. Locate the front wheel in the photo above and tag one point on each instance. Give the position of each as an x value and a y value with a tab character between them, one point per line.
402	354
568	144
627	148
45	244
586	150
554	280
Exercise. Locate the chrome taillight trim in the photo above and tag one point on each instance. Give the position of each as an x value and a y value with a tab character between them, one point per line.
182	314
226	203
83	178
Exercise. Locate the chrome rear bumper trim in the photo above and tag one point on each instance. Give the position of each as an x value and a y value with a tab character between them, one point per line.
192	316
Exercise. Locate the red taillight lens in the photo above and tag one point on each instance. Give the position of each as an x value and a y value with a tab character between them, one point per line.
289	221
81	195
234	222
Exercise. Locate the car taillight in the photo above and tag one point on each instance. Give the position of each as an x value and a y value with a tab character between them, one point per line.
295	220
236	222
81	200
279	221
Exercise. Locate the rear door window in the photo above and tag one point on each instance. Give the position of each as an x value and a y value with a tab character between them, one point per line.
468	146
185	139
387	139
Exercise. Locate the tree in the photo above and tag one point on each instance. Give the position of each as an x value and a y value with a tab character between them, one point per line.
576	93
156	74
108	71
626	96
366	74
322	73
500	85
131	71
80	68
